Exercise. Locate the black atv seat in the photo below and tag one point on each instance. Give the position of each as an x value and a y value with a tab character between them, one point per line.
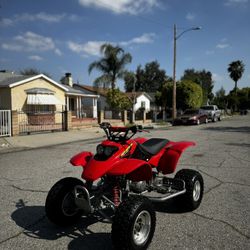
153	145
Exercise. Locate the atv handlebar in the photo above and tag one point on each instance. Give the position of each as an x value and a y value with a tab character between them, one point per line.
119	134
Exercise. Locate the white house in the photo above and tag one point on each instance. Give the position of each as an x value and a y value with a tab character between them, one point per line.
140	100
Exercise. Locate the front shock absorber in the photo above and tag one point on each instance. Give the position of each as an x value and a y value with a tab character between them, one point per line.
116	195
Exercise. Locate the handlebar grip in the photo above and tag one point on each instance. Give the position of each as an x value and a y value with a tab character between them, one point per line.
105	125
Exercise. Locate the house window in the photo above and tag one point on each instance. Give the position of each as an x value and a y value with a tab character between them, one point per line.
39	109
143	104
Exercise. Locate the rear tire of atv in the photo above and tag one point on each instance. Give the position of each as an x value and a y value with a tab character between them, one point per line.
194	185
60	205
133	224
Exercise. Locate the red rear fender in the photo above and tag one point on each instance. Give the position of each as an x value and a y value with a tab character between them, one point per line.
137	170
81	159
169	159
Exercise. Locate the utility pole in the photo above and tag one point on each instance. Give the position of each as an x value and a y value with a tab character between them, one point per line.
174	66
174	78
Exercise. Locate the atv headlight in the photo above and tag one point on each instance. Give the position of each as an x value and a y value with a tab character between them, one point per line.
108	151
99	149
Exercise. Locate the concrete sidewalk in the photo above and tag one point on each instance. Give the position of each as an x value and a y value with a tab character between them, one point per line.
8	144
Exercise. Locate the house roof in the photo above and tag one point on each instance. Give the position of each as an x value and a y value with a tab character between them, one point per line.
152	95
131	95
8	79
12	80
73	91
95	90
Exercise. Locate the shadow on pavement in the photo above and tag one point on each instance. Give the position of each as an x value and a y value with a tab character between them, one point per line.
229	129
171	206
36	225
238	144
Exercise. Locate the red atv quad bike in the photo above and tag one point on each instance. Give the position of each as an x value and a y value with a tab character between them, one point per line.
121	181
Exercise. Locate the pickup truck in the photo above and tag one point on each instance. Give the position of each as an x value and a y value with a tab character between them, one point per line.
212	111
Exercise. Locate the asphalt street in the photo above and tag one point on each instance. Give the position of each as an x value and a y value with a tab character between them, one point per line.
222	155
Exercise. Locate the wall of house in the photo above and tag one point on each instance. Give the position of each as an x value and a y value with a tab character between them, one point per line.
19	96
5	100
139	100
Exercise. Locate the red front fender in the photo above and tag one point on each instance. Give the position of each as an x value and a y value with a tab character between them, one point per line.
81	159
137	170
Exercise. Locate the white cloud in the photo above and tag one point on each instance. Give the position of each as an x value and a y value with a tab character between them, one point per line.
190	16
42	16
222	46
235	2
31	41
35	58
209	52
122	6
14	47
216	77
6	22
145	38
58	52
92	48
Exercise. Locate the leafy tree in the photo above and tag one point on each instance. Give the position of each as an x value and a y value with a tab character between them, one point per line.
164	96
204	79
33	72
148	79
117	99
243	96
130	81
220	98
188	94
233	100
112	65
236	70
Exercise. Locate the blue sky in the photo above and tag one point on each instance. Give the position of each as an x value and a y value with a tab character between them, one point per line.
65	36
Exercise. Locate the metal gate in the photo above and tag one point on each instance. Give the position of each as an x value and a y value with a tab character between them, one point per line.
5	123
32	122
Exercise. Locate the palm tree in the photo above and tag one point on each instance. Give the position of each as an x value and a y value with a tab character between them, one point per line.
112	65
236	70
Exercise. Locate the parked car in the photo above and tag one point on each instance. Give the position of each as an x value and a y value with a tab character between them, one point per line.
191	116
212	111
243	111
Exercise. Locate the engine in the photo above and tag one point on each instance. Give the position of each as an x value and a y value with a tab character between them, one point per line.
138	187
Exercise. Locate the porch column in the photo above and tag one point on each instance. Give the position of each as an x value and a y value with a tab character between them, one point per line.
80	107
67	103
77	116
94	108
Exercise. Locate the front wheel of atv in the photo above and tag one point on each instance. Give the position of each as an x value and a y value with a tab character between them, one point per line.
194	185
60	205
133	224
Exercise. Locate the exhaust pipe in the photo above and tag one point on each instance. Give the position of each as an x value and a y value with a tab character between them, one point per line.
167	197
